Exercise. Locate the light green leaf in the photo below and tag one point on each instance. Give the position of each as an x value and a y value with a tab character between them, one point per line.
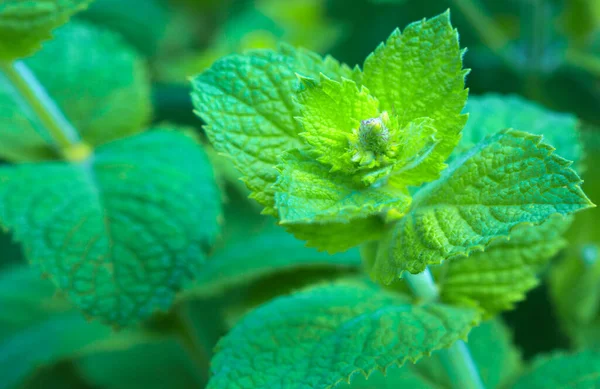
38	328
100	84
338	237
247	103
500	276
306	192
575	371
508	179
491	113
267	252
324	335
24	25
121	231
418	73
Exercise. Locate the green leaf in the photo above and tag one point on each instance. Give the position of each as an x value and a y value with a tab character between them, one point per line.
306	192
247	103
576	371
491	112
121	231
492	350
418	73
24	25
338	237
324	335
500	276
151	365
38	328
508	179
270	251
99	82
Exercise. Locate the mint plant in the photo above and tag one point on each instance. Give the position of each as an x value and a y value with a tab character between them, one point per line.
345	157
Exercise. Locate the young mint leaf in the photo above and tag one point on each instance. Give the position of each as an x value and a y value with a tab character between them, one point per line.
418	73
324	335
38	328
247	103
121	231
306	192
491	112
577	371
267	252
24	25
99	82
501	275
507	179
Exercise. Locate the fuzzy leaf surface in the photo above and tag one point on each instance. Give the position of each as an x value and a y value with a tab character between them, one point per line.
247	104
508	179
491	113
575	371
307	192
322	336
97	80
418	73
501	275
24	25
121	231
37	327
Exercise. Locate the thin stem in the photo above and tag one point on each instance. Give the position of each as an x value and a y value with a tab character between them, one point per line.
191	342
487	29
584	61
60	129
457	359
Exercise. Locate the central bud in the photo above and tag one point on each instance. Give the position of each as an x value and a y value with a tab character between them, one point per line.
371	141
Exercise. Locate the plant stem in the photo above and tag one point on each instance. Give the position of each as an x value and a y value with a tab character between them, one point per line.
191	342
457	359
60	129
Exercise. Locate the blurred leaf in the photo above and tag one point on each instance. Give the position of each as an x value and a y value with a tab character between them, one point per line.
256	255
121	231
38	328
24	25
156	365
98	82
143	29
576	371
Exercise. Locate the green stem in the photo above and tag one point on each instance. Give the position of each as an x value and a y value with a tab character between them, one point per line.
60	129
487	29
584	61
191	343
457	359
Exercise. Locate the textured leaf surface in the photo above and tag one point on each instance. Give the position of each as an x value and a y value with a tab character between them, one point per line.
100	84
576	371
492	350
121	231
508	179
38	328
491	113
319	337
501	275
268	252
247	103
308	193
418	73
24	25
